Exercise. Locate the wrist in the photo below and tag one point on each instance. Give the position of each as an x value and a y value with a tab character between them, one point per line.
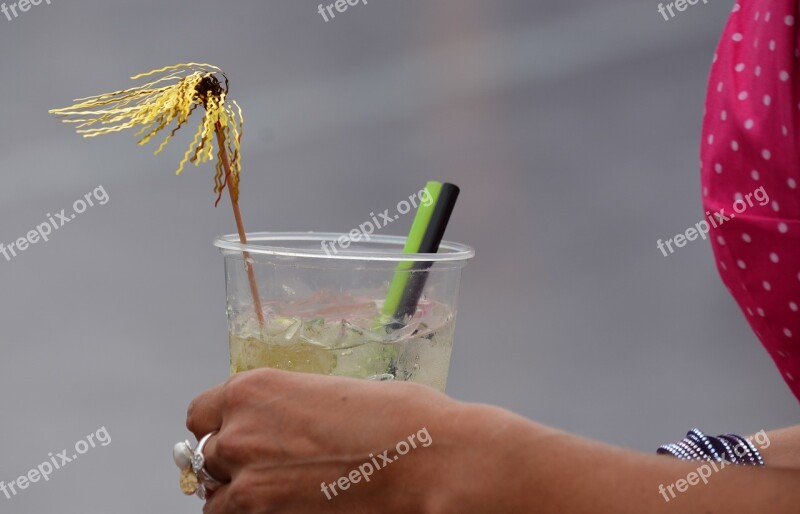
478	464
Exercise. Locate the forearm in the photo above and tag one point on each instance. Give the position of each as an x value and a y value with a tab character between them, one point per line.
783	449
518	466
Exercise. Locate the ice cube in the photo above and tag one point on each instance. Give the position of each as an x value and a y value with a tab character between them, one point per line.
383	377
292	330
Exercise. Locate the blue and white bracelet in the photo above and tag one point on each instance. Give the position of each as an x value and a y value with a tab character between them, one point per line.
731	448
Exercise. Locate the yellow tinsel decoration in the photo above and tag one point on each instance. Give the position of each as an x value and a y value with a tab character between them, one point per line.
172	95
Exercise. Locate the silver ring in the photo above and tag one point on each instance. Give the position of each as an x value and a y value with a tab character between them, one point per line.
207	482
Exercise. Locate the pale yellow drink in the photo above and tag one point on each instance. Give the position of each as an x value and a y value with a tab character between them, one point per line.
343	337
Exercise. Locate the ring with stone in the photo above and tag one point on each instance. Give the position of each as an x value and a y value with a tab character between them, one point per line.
195	479
207	482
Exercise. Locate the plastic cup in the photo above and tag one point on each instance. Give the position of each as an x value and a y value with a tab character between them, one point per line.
322	297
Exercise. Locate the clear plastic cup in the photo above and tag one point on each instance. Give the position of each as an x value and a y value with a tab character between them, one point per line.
323	305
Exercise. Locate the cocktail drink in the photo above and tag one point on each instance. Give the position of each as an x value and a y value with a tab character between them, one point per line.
324	313
334	335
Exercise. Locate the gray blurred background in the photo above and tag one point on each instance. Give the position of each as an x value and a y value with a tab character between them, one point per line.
571	126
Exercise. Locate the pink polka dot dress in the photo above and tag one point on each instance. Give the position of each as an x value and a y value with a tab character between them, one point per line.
750	158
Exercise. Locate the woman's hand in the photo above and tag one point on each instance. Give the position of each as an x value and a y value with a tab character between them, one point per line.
300	443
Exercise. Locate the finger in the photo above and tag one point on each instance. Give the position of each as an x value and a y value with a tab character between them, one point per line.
215	466
205	413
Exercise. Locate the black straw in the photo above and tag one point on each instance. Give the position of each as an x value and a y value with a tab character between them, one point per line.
430	244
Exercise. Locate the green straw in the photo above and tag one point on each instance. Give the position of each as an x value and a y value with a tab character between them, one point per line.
415	236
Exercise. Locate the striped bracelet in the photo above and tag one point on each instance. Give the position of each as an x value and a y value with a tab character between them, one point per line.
732	448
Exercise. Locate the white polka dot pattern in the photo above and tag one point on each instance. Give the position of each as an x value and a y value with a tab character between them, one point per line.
751	154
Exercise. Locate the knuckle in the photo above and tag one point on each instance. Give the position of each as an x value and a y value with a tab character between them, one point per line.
228	447
191	415
234	391
234	380
241	386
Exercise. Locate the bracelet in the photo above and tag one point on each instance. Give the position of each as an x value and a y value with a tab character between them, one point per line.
752	452
731	448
